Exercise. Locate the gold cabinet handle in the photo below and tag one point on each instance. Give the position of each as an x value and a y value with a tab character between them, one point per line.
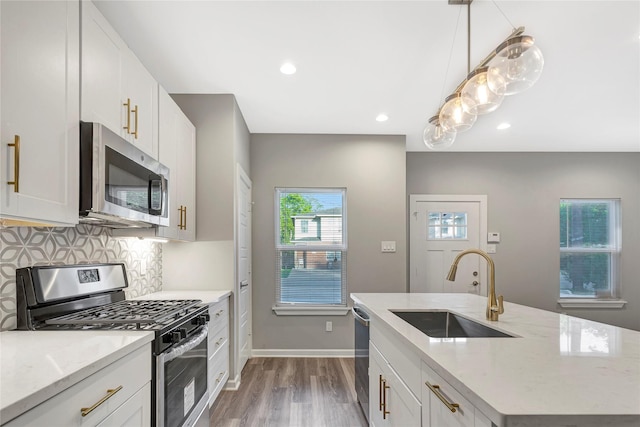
380	380
184	223
220	377
453	407
219	341
180	219
110	392
128	126
135	132
219	313
384	400
16	164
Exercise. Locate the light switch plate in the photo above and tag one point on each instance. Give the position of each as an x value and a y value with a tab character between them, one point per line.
388	246
491	249
493	237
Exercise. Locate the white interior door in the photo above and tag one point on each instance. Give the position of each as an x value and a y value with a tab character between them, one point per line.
243	289
440	227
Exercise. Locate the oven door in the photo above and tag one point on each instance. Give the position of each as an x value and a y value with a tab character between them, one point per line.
181	382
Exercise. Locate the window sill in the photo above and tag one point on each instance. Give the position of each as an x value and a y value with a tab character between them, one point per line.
310	311
595	303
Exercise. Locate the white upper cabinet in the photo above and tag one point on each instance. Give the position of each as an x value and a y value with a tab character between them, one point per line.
177	151
117	90
40	100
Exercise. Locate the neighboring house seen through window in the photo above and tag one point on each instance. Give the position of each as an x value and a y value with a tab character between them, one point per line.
311	247
589	248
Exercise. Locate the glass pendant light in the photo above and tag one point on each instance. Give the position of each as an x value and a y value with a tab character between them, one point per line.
436	138
519	62
456	114
486	99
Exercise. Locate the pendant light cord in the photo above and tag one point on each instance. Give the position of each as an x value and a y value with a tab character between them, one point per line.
453	42
468	37
503	14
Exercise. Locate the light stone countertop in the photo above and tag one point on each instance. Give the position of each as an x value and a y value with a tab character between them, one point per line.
557	365
207	297
37	365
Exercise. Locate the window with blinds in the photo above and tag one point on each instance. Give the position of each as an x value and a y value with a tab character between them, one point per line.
589	248
311	246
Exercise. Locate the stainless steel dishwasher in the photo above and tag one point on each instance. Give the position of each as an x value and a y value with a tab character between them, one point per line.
362	358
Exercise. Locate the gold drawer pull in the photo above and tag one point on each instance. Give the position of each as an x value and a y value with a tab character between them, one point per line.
436	390
16	164
135	132
384	400
220	377
128	126
181	221
219	313
380	392
220	340
110	393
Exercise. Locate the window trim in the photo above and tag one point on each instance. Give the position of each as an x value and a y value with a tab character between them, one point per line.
614	249
307	309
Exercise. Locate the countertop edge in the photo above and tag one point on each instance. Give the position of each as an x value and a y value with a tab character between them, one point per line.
19	407
208	297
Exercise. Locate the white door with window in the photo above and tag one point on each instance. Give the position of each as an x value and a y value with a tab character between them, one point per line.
441	226
243	247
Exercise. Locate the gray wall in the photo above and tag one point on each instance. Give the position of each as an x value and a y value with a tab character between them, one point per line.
372	168
523	192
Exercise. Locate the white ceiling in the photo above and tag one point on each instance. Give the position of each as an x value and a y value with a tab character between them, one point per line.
356	59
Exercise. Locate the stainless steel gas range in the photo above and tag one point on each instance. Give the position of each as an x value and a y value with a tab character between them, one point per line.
90	297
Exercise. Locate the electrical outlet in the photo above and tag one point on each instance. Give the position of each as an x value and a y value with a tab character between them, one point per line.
143	267
328	327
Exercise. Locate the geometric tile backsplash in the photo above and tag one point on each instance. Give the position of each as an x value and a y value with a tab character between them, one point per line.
82	244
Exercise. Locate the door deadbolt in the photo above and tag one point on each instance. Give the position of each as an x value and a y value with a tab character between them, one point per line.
475	274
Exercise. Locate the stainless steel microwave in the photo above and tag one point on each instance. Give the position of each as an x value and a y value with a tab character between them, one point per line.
120	185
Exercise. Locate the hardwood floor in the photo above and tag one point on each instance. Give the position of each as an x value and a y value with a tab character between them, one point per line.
296	392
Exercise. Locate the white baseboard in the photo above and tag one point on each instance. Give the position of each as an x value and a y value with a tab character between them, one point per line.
302	353
232	384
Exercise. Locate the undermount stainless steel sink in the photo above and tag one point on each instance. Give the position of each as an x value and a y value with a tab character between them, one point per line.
444	324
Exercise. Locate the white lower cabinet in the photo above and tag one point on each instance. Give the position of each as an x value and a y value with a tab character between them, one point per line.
218	348
391	403
399	392
118	395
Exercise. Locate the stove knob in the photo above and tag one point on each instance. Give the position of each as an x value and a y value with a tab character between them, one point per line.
183	333
175	337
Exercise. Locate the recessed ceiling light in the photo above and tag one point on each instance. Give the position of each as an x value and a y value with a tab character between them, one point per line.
382	117
288	68
503	126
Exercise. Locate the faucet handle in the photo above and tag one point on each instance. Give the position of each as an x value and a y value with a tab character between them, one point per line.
500	304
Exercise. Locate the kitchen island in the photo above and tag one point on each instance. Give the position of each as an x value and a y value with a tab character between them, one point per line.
556	370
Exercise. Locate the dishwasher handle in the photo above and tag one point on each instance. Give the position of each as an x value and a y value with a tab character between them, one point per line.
361	316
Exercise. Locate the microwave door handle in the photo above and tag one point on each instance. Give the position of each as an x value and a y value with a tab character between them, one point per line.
164	191
153	181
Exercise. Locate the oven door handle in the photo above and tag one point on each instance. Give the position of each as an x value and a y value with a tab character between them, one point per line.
186	346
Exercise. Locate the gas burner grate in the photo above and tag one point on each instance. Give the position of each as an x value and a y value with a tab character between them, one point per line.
138	312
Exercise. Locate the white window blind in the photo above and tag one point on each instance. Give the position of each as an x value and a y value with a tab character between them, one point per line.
311	246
